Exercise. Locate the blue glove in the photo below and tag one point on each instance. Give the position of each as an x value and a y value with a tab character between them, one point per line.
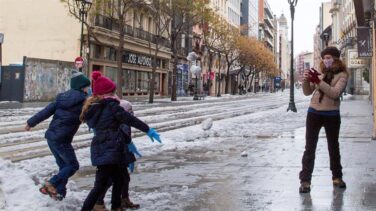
133	149
89	92
152	133
131	167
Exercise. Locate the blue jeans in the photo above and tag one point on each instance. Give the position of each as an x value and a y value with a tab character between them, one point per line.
66	160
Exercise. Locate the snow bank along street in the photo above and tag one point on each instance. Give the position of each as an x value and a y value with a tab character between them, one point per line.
248	160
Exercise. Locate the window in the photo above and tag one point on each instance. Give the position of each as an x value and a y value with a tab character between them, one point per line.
150	24
111	54
134	19
143	79
129	80
141	24
97	51
164	63
111	72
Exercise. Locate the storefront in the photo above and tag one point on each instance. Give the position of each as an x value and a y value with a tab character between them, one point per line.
137	71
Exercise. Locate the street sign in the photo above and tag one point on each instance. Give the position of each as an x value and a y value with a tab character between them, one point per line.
79	62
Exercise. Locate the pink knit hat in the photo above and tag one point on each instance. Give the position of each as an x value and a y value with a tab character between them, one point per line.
101	84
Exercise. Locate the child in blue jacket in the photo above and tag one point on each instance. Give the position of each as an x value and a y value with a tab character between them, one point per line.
65	122
104	114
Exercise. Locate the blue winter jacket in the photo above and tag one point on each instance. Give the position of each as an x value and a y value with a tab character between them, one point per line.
108	143
65	122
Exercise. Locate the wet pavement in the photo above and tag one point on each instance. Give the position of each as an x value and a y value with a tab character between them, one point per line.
259	172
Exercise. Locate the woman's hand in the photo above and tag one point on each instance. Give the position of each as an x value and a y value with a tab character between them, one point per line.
306	76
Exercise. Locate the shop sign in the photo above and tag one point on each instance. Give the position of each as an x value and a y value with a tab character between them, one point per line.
364	42
353	61
138	59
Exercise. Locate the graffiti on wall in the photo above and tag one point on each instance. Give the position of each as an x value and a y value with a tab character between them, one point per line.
44	79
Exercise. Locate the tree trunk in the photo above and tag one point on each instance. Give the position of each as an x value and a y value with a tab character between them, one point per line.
174	70
253	76
229	63
152	82
120	49
210	70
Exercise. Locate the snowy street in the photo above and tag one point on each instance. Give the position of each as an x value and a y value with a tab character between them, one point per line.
248	160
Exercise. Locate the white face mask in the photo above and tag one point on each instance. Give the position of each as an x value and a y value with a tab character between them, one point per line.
328	62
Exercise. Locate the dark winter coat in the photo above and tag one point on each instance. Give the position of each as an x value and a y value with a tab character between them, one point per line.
65	122
108	144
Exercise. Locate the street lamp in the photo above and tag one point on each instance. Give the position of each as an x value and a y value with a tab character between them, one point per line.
292	106
326	38
84	6
1	42
195	70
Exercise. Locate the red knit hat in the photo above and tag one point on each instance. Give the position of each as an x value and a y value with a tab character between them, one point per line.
101	84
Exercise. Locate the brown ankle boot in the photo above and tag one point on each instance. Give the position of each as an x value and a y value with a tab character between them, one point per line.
339	183
100	207
126	203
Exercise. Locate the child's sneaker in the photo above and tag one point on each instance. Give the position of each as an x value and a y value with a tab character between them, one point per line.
305	187
126	203
100	207
339	183
48	189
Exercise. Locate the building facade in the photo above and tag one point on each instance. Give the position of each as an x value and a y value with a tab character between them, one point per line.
344	36
234	12
249	17
284	47
266	26
304	61
136	57
29	33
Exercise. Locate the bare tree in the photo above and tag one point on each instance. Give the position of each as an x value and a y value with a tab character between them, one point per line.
180	15
115	12
253	54
156	39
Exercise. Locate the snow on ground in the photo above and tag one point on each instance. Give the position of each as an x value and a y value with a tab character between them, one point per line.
18	179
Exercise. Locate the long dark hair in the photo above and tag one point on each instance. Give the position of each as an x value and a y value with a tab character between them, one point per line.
337	67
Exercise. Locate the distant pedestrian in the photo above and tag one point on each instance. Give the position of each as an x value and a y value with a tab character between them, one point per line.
103	113
324	111
65	122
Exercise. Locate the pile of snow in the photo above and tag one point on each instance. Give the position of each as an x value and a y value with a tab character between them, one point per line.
19	192
207	124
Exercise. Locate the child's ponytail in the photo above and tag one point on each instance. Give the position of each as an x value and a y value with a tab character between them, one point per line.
89	101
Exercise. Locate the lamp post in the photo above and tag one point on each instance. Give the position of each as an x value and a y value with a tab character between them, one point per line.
219	75
84	7
195	70
292	106
1	56
326	39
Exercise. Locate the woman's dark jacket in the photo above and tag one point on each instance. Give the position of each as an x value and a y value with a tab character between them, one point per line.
108	145
65	122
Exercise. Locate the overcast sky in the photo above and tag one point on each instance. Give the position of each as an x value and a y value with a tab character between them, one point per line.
305	21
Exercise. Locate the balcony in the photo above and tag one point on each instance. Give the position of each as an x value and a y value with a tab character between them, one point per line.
144	35
268	32
269	22
113	25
